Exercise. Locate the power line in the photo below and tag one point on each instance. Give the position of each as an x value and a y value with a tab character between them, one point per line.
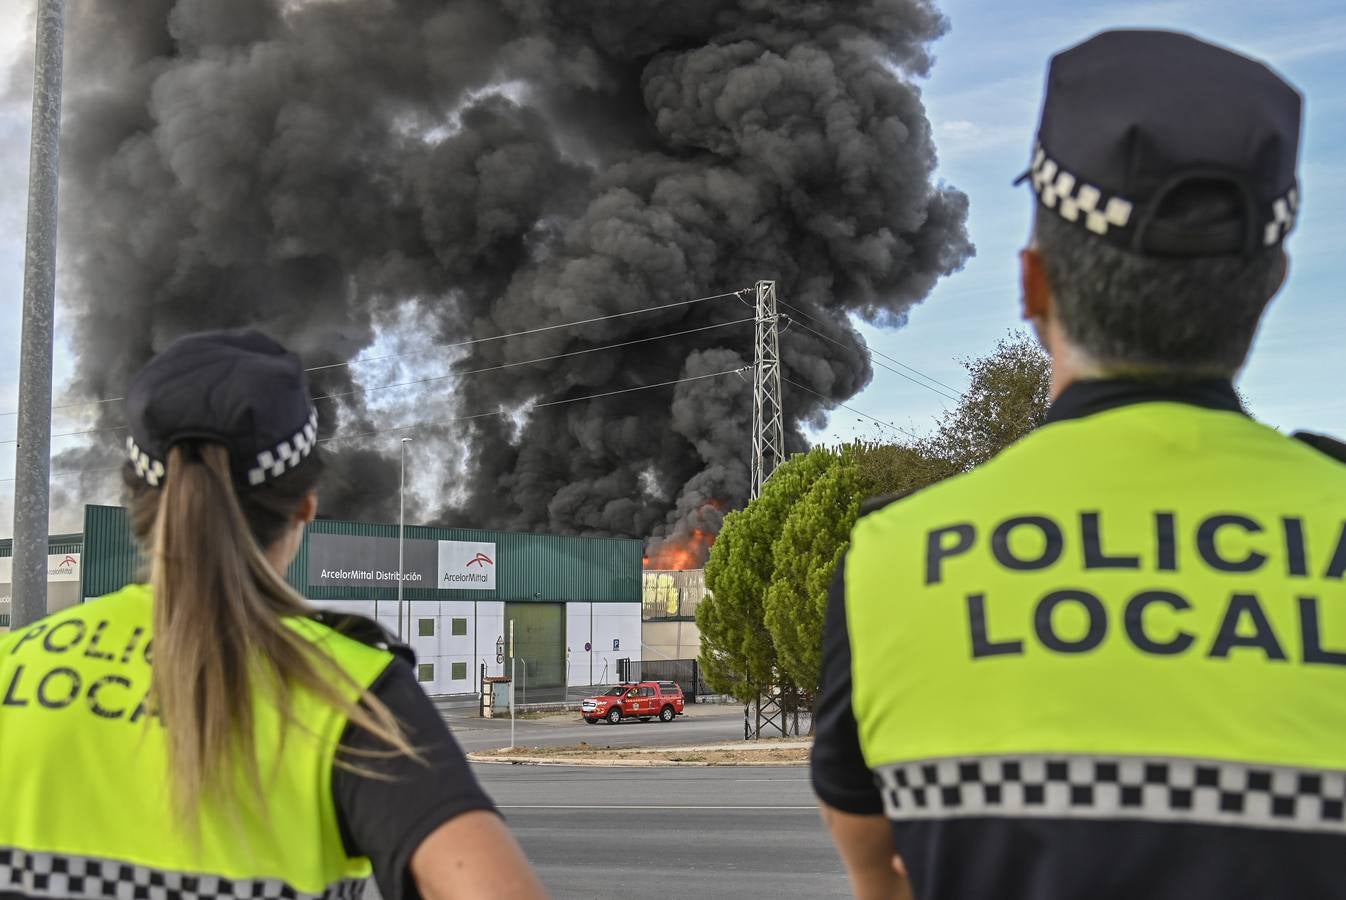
872	351
61	473
75	404
935	390
514	334
420	381
481	415
61	434
469	343
644	340
533	406
880	353
897	428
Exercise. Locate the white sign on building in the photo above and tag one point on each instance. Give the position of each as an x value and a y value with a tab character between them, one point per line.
60	567
466	566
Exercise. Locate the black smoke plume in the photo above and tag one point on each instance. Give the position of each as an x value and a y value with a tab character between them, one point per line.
325	170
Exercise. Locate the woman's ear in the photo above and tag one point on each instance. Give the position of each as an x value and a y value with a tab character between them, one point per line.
1285	273
308	508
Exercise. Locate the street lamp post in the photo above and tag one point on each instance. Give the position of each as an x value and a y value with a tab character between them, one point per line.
32	458
401	539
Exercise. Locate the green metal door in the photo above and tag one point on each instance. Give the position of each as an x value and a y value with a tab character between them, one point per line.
539	648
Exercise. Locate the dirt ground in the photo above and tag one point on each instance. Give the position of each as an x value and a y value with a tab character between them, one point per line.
773	751
534	716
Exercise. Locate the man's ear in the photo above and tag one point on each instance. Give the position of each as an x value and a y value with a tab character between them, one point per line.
1037	292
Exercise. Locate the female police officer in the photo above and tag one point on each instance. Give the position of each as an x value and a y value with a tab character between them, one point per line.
206	735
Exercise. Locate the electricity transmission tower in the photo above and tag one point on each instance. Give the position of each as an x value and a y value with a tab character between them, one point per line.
768	452
768	423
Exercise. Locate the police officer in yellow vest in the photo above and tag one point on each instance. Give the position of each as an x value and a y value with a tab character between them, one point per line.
209	735
1111	663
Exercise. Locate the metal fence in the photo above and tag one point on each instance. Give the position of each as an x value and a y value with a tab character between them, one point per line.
686	673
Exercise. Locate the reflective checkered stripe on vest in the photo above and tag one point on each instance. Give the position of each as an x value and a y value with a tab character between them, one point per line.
86	813
1139	615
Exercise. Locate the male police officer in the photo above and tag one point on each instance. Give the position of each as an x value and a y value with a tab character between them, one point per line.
1111	663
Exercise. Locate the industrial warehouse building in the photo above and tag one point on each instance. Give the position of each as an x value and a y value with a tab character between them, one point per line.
574	603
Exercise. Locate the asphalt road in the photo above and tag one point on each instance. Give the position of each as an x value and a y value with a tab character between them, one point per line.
749	833
702	724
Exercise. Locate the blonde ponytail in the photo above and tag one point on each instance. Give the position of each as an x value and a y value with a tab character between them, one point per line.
220	637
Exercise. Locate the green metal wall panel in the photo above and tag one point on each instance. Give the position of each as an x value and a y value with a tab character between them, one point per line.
531	567
57	543
110	560
537	567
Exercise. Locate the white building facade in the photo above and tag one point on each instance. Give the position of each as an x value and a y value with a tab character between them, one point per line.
573	604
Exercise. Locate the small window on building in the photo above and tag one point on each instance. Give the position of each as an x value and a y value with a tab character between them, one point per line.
459	627
427	627
458	672
425	672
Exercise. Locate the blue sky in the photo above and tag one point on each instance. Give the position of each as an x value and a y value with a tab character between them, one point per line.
983	99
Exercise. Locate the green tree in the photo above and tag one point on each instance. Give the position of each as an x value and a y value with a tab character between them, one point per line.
899	469
1007	397
805	557
817	532
738	656
771	566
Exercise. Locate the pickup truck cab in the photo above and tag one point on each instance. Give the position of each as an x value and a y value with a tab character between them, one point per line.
644	701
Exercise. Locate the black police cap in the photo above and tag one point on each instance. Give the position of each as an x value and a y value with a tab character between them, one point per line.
1130	117
237	388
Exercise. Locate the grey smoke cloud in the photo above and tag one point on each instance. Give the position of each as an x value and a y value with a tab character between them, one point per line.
312	169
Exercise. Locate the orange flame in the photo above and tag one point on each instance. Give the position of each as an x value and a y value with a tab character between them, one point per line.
678	554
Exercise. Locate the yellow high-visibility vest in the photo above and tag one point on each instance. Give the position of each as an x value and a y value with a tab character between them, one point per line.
86	800
1138	614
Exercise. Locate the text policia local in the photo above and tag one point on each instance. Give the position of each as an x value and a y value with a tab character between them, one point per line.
1151	617
49	675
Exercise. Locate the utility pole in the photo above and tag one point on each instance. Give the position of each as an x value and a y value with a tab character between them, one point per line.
32	465
768	434
401	545
768	421
513	672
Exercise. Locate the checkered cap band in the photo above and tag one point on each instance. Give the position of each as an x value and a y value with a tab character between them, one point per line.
270	463
1111	216
1284	213
1117	787
287	454
1075	200
148	469
53	875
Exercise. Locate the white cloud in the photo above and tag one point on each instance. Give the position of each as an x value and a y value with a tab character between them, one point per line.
1307	41
962	137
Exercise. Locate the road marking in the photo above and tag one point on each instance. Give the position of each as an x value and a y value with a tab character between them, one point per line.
699	808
